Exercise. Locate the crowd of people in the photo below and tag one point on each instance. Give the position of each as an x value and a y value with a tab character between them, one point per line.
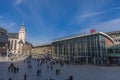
39	63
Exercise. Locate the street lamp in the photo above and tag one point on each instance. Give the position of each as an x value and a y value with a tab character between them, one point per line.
7	52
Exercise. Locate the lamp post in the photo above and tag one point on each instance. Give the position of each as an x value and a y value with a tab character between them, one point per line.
7	52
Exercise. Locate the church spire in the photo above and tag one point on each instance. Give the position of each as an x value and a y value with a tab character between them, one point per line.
22	33
23	23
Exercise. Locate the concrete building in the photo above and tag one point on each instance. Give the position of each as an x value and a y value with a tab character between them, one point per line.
90	48
42	49
115	35
114	54
18	43
3	42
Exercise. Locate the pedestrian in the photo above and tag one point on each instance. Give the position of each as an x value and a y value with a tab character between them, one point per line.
25	77
10	78
50	78
30	66
2	78
38	64
24	61
41	63
70	78
14	70
9	68
37	72
56	71
51	67
48	66
17	69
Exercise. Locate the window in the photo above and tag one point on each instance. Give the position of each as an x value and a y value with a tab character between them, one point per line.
110	50
11	44
15	44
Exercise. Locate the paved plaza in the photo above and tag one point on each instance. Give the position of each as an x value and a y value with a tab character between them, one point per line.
79	72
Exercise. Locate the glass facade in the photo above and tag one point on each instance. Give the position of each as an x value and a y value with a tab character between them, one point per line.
3	42
84	49
114	54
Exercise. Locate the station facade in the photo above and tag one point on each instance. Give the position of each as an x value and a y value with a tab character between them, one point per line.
89	49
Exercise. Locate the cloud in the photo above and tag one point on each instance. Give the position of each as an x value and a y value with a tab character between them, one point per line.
98	13
1	17
106	26
92	17
8	25
17	2
4	15
45	16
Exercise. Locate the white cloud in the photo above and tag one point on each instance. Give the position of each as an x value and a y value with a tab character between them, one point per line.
9	26
1	17
4	15
17	2
92	18
106	26
98	13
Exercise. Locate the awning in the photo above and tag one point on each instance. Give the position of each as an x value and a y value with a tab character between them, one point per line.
114	55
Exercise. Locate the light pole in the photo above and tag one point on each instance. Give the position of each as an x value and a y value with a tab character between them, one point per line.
7	52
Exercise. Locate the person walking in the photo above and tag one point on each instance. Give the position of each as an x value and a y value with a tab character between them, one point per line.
70	78
38	73
14	70
10	78
2	79
25	77
17	69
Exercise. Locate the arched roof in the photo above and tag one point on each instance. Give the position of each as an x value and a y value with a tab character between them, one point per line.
107	37
78	36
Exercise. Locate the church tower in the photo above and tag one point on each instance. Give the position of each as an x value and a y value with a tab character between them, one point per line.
22	33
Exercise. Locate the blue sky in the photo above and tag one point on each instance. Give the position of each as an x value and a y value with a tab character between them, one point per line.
46	20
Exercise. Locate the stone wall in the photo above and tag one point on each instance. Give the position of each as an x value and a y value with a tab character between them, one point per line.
42	49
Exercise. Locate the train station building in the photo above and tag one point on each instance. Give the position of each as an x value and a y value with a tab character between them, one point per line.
89	49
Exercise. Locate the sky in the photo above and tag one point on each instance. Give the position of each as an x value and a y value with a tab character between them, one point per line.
46	20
